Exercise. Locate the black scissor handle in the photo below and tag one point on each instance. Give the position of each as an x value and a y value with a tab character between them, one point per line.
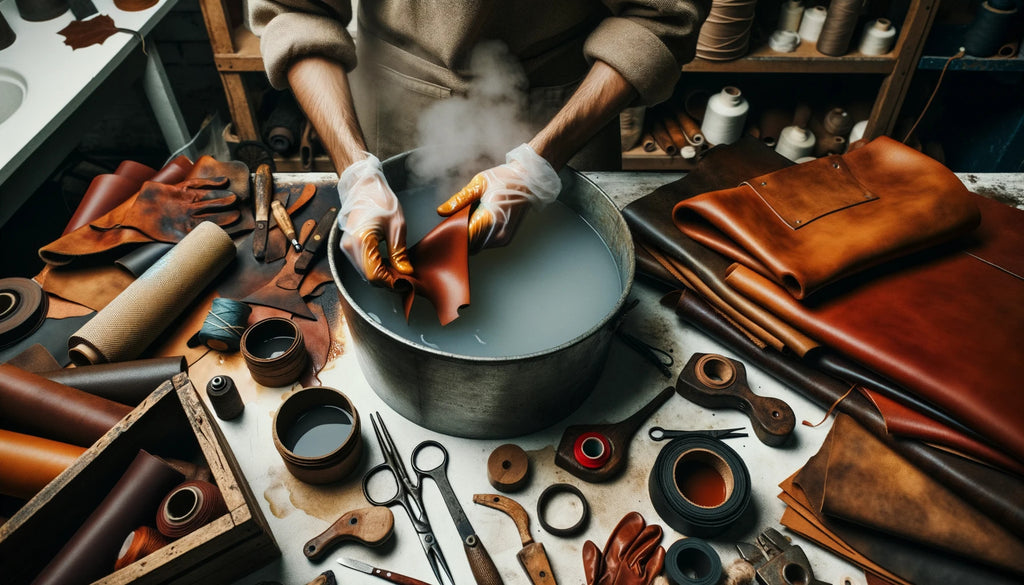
442	466
379	468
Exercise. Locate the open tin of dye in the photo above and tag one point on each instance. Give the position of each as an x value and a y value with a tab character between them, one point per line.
274	351
317	433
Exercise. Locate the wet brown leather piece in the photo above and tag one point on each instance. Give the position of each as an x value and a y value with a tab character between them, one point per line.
816	223
440	268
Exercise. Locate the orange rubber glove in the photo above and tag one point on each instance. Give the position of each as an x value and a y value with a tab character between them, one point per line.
631	557
370	213
504	194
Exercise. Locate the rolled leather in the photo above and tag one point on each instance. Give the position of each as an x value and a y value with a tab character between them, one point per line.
808	225
28	463
132	502
33	404
992	491
127	382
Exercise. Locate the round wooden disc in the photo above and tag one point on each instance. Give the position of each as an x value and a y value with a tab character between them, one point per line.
508	468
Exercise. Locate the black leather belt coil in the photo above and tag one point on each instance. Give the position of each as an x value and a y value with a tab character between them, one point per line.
23	306
708	456
692	561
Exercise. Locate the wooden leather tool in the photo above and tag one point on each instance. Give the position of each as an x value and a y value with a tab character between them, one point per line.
315	242
532	557
283	292
715	381
371	526
617	437
508	468
263	185
285	223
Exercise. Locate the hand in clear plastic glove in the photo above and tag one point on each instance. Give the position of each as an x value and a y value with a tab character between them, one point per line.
632	555
370	214
504	194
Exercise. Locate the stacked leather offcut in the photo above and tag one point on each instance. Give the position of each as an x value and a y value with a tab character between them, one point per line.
874	281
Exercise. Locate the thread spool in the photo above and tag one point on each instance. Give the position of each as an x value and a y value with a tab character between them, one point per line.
274	351
23	306
224	325
725	34
189	507
317	434
790	16
784	41
839	26
812	22
224	397
699	486
725	116
592	450
795	142
692	561
838	122
990	28
139	543
857	132
879	37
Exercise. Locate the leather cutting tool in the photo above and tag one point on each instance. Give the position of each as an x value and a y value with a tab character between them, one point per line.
532	556
377	572
263	185
285	223
777	561
314	243
408	495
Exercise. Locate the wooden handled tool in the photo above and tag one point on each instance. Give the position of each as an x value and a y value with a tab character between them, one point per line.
314	243
715	381
285	223
263	185
385	574
532	556
371	526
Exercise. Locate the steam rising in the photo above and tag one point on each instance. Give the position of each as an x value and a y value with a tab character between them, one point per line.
469	133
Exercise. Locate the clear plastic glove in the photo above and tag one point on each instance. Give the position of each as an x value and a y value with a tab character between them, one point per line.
370	213
505	193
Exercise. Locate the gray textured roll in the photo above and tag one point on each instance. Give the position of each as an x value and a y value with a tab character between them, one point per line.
137	316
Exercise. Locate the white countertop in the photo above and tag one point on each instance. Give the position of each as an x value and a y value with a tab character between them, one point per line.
57	78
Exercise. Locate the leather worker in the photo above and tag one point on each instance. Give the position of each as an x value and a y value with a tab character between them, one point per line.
584	61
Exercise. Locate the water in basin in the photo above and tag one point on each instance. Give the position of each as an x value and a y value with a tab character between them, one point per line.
12	93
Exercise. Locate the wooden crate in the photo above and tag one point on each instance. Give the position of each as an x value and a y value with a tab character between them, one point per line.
172	422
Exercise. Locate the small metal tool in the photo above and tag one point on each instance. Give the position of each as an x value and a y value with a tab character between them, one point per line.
660	434
376	572
777	561
285	223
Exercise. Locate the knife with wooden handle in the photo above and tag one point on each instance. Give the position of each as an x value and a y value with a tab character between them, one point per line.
263	184
378	572
532	557
315	242
370	526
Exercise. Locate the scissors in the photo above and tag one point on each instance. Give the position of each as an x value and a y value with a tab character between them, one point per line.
409	496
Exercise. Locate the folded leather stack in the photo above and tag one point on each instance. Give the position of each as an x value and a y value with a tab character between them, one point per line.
875	281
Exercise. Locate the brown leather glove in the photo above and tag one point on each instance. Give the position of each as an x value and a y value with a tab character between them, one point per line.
631	557
167	213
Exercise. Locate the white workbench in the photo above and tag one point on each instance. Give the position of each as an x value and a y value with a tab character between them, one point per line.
58	80
297	512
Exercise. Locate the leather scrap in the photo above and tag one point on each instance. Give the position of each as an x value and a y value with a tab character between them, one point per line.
441	268
83	33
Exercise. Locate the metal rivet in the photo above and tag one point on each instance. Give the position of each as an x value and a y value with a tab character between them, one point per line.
763	183
835	165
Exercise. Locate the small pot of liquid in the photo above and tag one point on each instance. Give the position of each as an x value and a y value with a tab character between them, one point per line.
274	351
317	433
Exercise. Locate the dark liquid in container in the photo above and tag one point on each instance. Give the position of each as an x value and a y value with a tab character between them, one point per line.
700	483
318	431
272	347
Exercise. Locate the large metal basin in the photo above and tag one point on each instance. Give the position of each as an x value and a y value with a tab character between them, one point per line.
12	93
488	397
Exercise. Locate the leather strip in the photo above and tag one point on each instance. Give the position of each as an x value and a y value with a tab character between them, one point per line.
28	463
23	306
699	459
132	502
33	404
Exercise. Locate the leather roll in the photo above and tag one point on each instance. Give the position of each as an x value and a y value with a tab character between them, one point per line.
93	550
139	543
23	306
33	404
141	259
128	382
692	561
990	490
28	463
189	507
133	320
700	486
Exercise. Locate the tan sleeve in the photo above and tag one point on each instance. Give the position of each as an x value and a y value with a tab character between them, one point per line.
293	29
648	42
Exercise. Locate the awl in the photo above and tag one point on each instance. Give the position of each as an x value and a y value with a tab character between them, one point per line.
532	557
382	573
263	184
285	223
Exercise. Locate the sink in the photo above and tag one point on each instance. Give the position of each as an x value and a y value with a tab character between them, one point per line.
12	93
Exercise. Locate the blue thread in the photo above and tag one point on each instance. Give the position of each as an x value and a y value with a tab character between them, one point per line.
224	324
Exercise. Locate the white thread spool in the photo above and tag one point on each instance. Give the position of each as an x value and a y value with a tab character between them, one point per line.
857	132
688	152
879	36
725	115
812	23
791	15
784	41
795	143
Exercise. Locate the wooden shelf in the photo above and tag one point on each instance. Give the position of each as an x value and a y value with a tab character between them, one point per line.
805	59
246	55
